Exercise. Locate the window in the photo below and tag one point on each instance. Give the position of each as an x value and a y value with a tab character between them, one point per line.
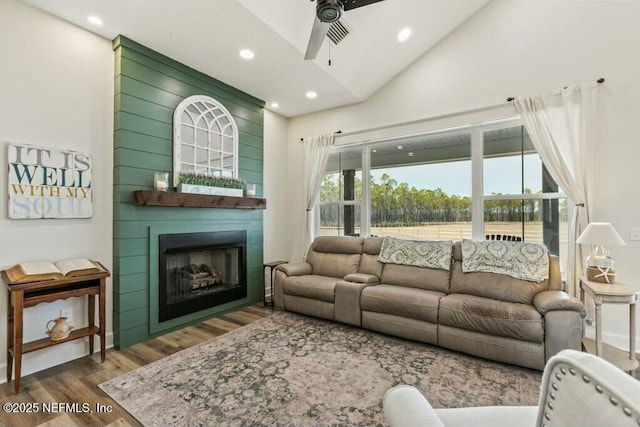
465	183
205	139
520	197
341	194
421	187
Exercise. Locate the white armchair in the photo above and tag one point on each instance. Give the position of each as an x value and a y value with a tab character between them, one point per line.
578	389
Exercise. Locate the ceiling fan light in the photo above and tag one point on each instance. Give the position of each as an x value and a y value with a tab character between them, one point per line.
404	34
329	10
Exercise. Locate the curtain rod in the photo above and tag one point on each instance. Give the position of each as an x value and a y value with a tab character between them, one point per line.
421	121
335	133
600	80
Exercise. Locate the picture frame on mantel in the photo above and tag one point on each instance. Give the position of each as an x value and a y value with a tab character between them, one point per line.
49	183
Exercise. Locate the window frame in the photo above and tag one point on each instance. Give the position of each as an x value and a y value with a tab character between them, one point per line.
478	198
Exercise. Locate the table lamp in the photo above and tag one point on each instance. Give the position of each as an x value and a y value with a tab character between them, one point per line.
599	264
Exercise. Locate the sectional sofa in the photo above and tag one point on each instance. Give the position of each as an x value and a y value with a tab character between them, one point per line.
486	314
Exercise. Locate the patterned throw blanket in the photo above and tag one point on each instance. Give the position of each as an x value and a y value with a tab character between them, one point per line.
420	253
526	261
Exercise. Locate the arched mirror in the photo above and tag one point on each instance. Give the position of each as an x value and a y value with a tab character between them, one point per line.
205	139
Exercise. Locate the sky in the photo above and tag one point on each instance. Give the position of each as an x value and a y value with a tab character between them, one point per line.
501	175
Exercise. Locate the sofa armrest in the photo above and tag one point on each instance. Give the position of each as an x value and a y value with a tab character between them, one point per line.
282	271
347	302
296	268
563	316
369	279
547	301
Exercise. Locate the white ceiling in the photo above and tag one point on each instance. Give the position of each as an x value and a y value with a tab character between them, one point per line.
208	34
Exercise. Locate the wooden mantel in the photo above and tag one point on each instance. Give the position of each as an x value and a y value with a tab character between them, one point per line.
189	200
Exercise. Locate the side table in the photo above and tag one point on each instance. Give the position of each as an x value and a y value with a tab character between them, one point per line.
23	295
271	266
614	293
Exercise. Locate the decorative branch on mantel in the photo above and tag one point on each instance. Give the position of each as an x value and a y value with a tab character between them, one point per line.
190	200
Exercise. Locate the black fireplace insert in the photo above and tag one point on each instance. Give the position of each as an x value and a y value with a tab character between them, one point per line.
201	270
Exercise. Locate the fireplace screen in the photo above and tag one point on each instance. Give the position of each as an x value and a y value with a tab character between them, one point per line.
200	270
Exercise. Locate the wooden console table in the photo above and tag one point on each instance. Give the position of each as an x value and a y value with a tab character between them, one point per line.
24	295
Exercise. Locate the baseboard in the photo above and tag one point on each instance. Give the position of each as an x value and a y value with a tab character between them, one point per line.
57	355
618	340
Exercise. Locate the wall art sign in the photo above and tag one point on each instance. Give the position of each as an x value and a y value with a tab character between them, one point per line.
49	183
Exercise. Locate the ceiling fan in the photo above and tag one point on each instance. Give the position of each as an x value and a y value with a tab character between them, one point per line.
328	12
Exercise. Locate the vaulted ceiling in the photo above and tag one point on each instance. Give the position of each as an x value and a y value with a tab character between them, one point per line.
207	35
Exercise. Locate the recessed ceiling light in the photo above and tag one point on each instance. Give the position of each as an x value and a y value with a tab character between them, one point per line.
375	151
274	105
410	154
404	34
311	94
247	54
94	20
400	147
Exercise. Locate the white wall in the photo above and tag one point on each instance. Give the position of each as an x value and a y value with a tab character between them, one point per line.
275	187
56	90
517	48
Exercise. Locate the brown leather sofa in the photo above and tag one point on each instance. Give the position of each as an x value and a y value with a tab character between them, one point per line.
490	315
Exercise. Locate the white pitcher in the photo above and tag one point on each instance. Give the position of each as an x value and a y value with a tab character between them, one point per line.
60	329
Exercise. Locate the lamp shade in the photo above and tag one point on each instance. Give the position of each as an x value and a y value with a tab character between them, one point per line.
600	234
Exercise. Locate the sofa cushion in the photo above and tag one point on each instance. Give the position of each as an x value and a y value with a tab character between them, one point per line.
553	283
399	326
401	301
315	287
495	286
332	264
338	244
310	307
369	263
485	315
415	277
372	245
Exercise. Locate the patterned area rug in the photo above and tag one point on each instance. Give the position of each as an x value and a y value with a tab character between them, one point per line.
296	370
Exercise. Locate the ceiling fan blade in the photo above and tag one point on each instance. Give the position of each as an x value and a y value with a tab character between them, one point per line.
353	4
318	33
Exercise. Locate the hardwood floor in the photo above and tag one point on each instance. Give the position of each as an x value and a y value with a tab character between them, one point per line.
76	382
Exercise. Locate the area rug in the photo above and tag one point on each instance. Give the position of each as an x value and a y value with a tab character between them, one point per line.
288	369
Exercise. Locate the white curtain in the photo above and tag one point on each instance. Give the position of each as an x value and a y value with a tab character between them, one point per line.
316	153
564	130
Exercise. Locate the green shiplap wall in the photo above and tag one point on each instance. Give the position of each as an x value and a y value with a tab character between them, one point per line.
148	87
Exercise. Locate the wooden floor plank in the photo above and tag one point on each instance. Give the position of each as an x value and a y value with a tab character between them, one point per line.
120	422
77	381
63	420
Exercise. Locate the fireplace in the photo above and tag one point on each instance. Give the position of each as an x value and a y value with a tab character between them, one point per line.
200	270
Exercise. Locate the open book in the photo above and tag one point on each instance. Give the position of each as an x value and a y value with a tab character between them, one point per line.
44	270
